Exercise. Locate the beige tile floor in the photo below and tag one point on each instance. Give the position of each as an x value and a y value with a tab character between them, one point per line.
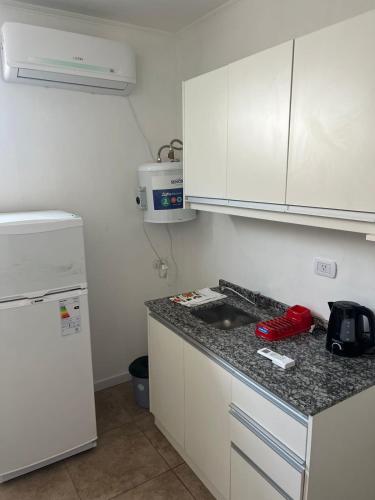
133	461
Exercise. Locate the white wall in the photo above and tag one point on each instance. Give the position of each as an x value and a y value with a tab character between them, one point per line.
243	27
274	258
79	152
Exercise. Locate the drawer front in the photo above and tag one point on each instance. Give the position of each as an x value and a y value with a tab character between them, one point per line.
248	482
282	466
283	426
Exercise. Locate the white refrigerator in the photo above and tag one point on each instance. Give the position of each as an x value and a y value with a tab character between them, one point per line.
47	409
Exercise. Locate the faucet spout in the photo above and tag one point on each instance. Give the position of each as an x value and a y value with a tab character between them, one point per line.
256	294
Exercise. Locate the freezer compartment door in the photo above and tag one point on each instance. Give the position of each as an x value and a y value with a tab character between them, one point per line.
34	263
46	381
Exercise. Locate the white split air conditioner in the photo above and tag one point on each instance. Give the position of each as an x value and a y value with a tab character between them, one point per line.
53	58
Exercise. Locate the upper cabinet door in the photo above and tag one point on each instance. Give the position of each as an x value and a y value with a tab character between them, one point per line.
205	134
258	125
332	145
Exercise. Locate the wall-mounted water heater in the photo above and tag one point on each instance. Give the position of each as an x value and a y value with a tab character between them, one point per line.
161	193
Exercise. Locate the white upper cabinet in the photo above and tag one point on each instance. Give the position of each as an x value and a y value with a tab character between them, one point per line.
205	134
332	146
258	125
287	134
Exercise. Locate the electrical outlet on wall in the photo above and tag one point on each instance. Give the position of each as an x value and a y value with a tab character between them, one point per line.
161	265
325	267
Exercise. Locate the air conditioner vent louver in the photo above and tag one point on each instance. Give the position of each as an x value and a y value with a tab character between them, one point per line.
51	77
52	58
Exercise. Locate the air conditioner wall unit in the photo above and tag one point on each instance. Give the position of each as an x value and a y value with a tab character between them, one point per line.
52	58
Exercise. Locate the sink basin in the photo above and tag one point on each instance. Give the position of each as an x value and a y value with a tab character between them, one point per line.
225	317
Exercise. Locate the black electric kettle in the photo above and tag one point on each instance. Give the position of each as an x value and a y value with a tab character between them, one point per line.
346	335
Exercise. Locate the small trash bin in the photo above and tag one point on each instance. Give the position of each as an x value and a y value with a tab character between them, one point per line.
139	372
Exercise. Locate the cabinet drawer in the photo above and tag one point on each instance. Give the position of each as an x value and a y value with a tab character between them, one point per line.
281	425
248	482
268	454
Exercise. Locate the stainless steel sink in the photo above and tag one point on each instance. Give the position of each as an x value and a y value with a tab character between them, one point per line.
225	317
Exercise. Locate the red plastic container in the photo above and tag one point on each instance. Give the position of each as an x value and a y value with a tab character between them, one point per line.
297	319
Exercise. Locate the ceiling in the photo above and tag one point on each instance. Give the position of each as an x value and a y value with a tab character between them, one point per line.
168	15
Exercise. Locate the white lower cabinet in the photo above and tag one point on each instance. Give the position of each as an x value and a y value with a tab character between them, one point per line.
192	401
207	435
244	443
268	454
166	371
272	418
248	482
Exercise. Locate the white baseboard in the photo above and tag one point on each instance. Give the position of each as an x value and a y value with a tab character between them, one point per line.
104	383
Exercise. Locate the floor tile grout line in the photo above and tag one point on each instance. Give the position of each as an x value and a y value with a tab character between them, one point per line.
121	426
157	451
71	479
181	481
169	467
131	421
102	434
139	485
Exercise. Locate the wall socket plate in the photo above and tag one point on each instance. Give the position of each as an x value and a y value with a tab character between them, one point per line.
325	267
161	265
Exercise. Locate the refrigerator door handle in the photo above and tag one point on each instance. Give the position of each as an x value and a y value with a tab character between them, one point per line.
39	227
45	293
53	297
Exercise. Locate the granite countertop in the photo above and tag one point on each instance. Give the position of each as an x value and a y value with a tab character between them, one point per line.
318	381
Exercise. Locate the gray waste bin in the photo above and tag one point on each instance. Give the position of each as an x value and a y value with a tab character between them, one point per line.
139	372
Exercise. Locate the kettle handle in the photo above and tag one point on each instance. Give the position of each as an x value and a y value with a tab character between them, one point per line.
371	321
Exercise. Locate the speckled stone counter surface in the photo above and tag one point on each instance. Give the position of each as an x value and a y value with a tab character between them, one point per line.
318	381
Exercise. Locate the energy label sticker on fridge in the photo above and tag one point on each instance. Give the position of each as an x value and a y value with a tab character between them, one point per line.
70	316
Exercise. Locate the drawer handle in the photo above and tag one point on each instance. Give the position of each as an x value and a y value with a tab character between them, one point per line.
283	451
261	472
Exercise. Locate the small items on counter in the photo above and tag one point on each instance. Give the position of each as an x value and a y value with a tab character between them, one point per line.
295	320
197	297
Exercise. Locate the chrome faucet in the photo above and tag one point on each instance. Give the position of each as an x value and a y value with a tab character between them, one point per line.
256	294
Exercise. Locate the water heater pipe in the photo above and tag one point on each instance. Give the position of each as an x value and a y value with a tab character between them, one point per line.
171	149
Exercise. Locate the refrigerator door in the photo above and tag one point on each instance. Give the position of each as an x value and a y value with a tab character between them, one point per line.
40	253
46	384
